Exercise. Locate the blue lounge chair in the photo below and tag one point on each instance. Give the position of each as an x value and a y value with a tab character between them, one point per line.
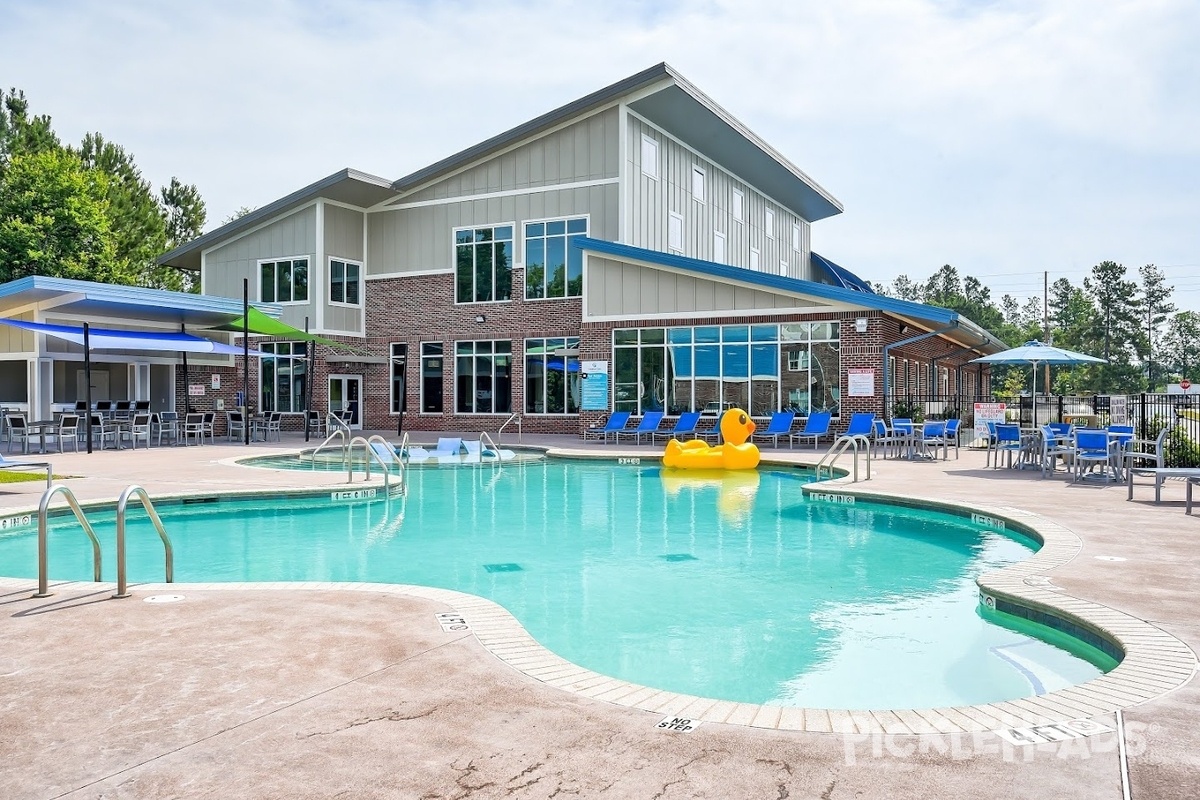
816	426
780	425
616	422
684	426
711	433
448	447
861	424
649	424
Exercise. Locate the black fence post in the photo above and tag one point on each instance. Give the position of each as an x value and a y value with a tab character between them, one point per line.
1143	416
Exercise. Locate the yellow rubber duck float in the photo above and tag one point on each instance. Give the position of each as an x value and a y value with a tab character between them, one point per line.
735	453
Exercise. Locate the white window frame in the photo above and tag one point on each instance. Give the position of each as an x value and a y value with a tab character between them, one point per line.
566	346
308	268
737	208
796	236
755	259
517	230
769	223
699	184
475	400
292	367
361	283
587	218
719	243
675	223
783	267
650	153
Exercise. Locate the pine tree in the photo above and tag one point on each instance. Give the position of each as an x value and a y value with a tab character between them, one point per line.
1157	307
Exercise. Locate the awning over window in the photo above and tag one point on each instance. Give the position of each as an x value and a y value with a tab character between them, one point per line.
110	339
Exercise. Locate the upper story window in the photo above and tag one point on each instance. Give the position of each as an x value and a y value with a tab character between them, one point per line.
783	267
698	184
675	232
754	258
553	268
796	237
483	264
738	207
769	223
718	247
345	282
649	157
283	281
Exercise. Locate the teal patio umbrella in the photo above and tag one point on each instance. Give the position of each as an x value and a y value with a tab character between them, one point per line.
1034	352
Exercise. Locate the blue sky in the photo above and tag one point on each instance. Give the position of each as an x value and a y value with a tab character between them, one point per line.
1005	138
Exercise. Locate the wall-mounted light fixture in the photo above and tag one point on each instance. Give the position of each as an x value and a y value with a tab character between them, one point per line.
860	325
904	329
480	318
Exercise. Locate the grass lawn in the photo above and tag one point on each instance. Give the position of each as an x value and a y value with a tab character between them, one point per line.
23	476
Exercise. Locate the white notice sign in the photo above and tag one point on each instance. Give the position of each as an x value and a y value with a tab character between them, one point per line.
985	413
860	382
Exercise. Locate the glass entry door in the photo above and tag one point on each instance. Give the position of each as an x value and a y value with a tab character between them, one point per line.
345	398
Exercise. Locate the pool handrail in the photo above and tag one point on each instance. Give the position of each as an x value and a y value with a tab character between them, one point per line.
169	554
370	453
339	432
43	535
513	417
840	446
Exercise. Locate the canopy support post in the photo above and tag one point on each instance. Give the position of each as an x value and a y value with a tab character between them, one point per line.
87	392
310	350
246	361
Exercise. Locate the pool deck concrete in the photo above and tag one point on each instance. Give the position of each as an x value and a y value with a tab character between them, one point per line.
317	691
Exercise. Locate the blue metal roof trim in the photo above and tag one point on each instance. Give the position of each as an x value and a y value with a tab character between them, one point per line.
134	296
940	316
840	275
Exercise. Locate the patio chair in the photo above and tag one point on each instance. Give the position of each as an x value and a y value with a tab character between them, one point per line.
780	425
1146	452
141	406
209	426
882	438
713	432
122	409
861	424
949	437
17	431
167	423
1054	446
617	421
68	431
103	431
104	407
139	428
193	427
235	426
1008	440
816	426
649	424
684	426
316	423
1092	448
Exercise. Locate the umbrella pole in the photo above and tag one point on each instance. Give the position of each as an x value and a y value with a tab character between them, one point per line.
87	392
246	360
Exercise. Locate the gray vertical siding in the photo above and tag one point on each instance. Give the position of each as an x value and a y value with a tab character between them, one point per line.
17	340
617	289
650	203
586	150
419	239
344	241
293	235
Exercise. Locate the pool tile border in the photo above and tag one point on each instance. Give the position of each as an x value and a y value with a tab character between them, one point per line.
1155	662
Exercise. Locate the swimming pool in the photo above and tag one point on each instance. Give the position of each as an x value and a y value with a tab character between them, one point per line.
733	587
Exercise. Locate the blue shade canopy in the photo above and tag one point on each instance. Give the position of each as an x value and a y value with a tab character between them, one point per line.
1035	352
110	339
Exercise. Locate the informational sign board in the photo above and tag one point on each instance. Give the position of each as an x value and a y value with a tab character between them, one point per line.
1118	410
216	381
595	385
985	413
860	382
196	390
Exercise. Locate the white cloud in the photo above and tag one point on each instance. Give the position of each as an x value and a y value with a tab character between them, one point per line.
980	134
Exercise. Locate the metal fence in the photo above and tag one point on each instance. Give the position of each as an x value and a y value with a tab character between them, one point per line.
1148	413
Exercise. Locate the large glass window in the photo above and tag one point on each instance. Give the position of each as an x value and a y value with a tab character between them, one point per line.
344	284
283	376
483	264
483	377
552	376
553	268
283	281
431	377
399	368
762	368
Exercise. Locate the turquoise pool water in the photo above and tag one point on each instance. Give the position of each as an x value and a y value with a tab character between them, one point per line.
734	586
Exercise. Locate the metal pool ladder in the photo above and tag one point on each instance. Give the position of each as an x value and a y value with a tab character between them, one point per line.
840	446
122	503
370	453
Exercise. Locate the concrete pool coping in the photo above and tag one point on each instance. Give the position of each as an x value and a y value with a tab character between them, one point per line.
1154	664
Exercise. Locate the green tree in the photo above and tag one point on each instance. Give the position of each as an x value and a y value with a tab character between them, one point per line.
1157	309
1181	346
20	133
236	215
185	216
54	220
1119	329
137	222
1073	325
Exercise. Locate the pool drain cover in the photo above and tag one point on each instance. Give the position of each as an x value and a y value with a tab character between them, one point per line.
502	567
678	557
164	598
